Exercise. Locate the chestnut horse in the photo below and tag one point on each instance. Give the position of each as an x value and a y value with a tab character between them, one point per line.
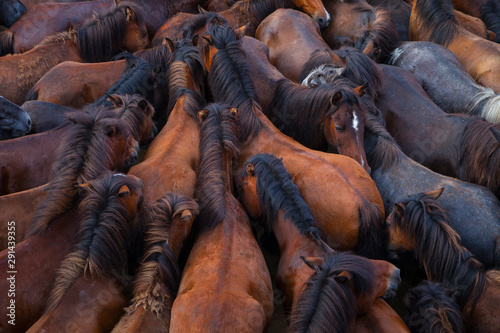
53	231
418	224
225	285
432	308
98	40
291	37
457	145
267	189
171	160
381	318
359	210
14	121
169	221
10	11
441	76
89	289
434	21
31	28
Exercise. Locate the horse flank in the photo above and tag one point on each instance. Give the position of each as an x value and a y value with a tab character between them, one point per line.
104	236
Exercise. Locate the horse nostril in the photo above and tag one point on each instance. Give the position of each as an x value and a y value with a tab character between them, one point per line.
29	122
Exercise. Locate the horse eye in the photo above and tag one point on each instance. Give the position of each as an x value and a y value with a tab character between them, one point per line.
338	128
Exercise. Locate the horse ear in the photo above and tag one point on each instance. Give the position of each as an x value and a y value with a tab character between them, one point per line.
85	186
202	115
312	262
201	9
435	194
250	168
234	111
399	209
195	40
169	43
124	190
240	31
216	20
361	90
491	35
186	215
115	99
130	14
209	39
496	132
336	98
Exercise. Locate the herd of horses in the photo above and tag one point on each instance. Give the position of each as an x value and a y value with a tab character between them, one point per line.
152	151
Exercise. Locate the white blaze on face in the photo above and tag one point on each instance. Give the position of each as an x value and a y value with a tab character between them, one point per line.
355	124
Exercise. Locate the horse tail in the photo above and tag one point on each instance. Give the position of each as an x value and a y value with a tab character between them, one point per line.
485	104
6	42
491	17
32	94
371	234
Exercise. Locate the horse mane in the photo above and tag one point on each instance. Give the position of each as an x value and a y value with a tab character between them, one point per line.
318	58
437	17
438	247
384	35
158	56
99	37
291	100
381	149
327	305
59	37
135	110
185	54
230	79
491	18
158	278
480	156
432	309
6	41
277	191
84	154
218	135
104	236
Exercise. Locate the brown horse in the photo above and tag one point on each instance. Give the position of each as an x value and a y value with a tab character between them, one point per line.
169	221
381	318
358	210
419	225
31	28
267	189
456	145
89	289
20	174
55	224
225	285
434	21
356	23
31	3
98	40
171	160
432	308
291	37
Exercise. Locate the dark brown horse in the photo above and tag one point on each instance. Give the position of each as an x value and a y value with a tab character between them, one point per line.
419	225
459	146
441	76
171	160
89	289
432	308
14	121
434	21
31	28
225	284
315	172
400	12
98	40
169	221
267	189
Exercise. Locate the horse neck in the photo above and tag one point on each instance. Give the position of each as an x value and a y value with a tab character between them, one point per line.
227	165
58	51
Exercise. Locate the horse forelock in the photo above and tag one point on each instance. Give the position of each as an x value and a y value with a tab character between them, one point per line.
276	191
439	249
104	237
326	305
480	156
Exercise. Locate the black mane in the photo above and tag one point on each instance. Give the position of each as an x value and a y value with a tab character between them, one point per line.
437	17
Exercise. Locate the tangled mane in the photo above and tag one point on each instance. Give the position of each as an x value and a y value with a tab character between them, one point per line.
480	156
99	38
327	304
437	17
83	155
381	149
218	136
276	191
159	56
158	277
136	112
104	236
432	309
306	108
438	247
230	80
317	59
